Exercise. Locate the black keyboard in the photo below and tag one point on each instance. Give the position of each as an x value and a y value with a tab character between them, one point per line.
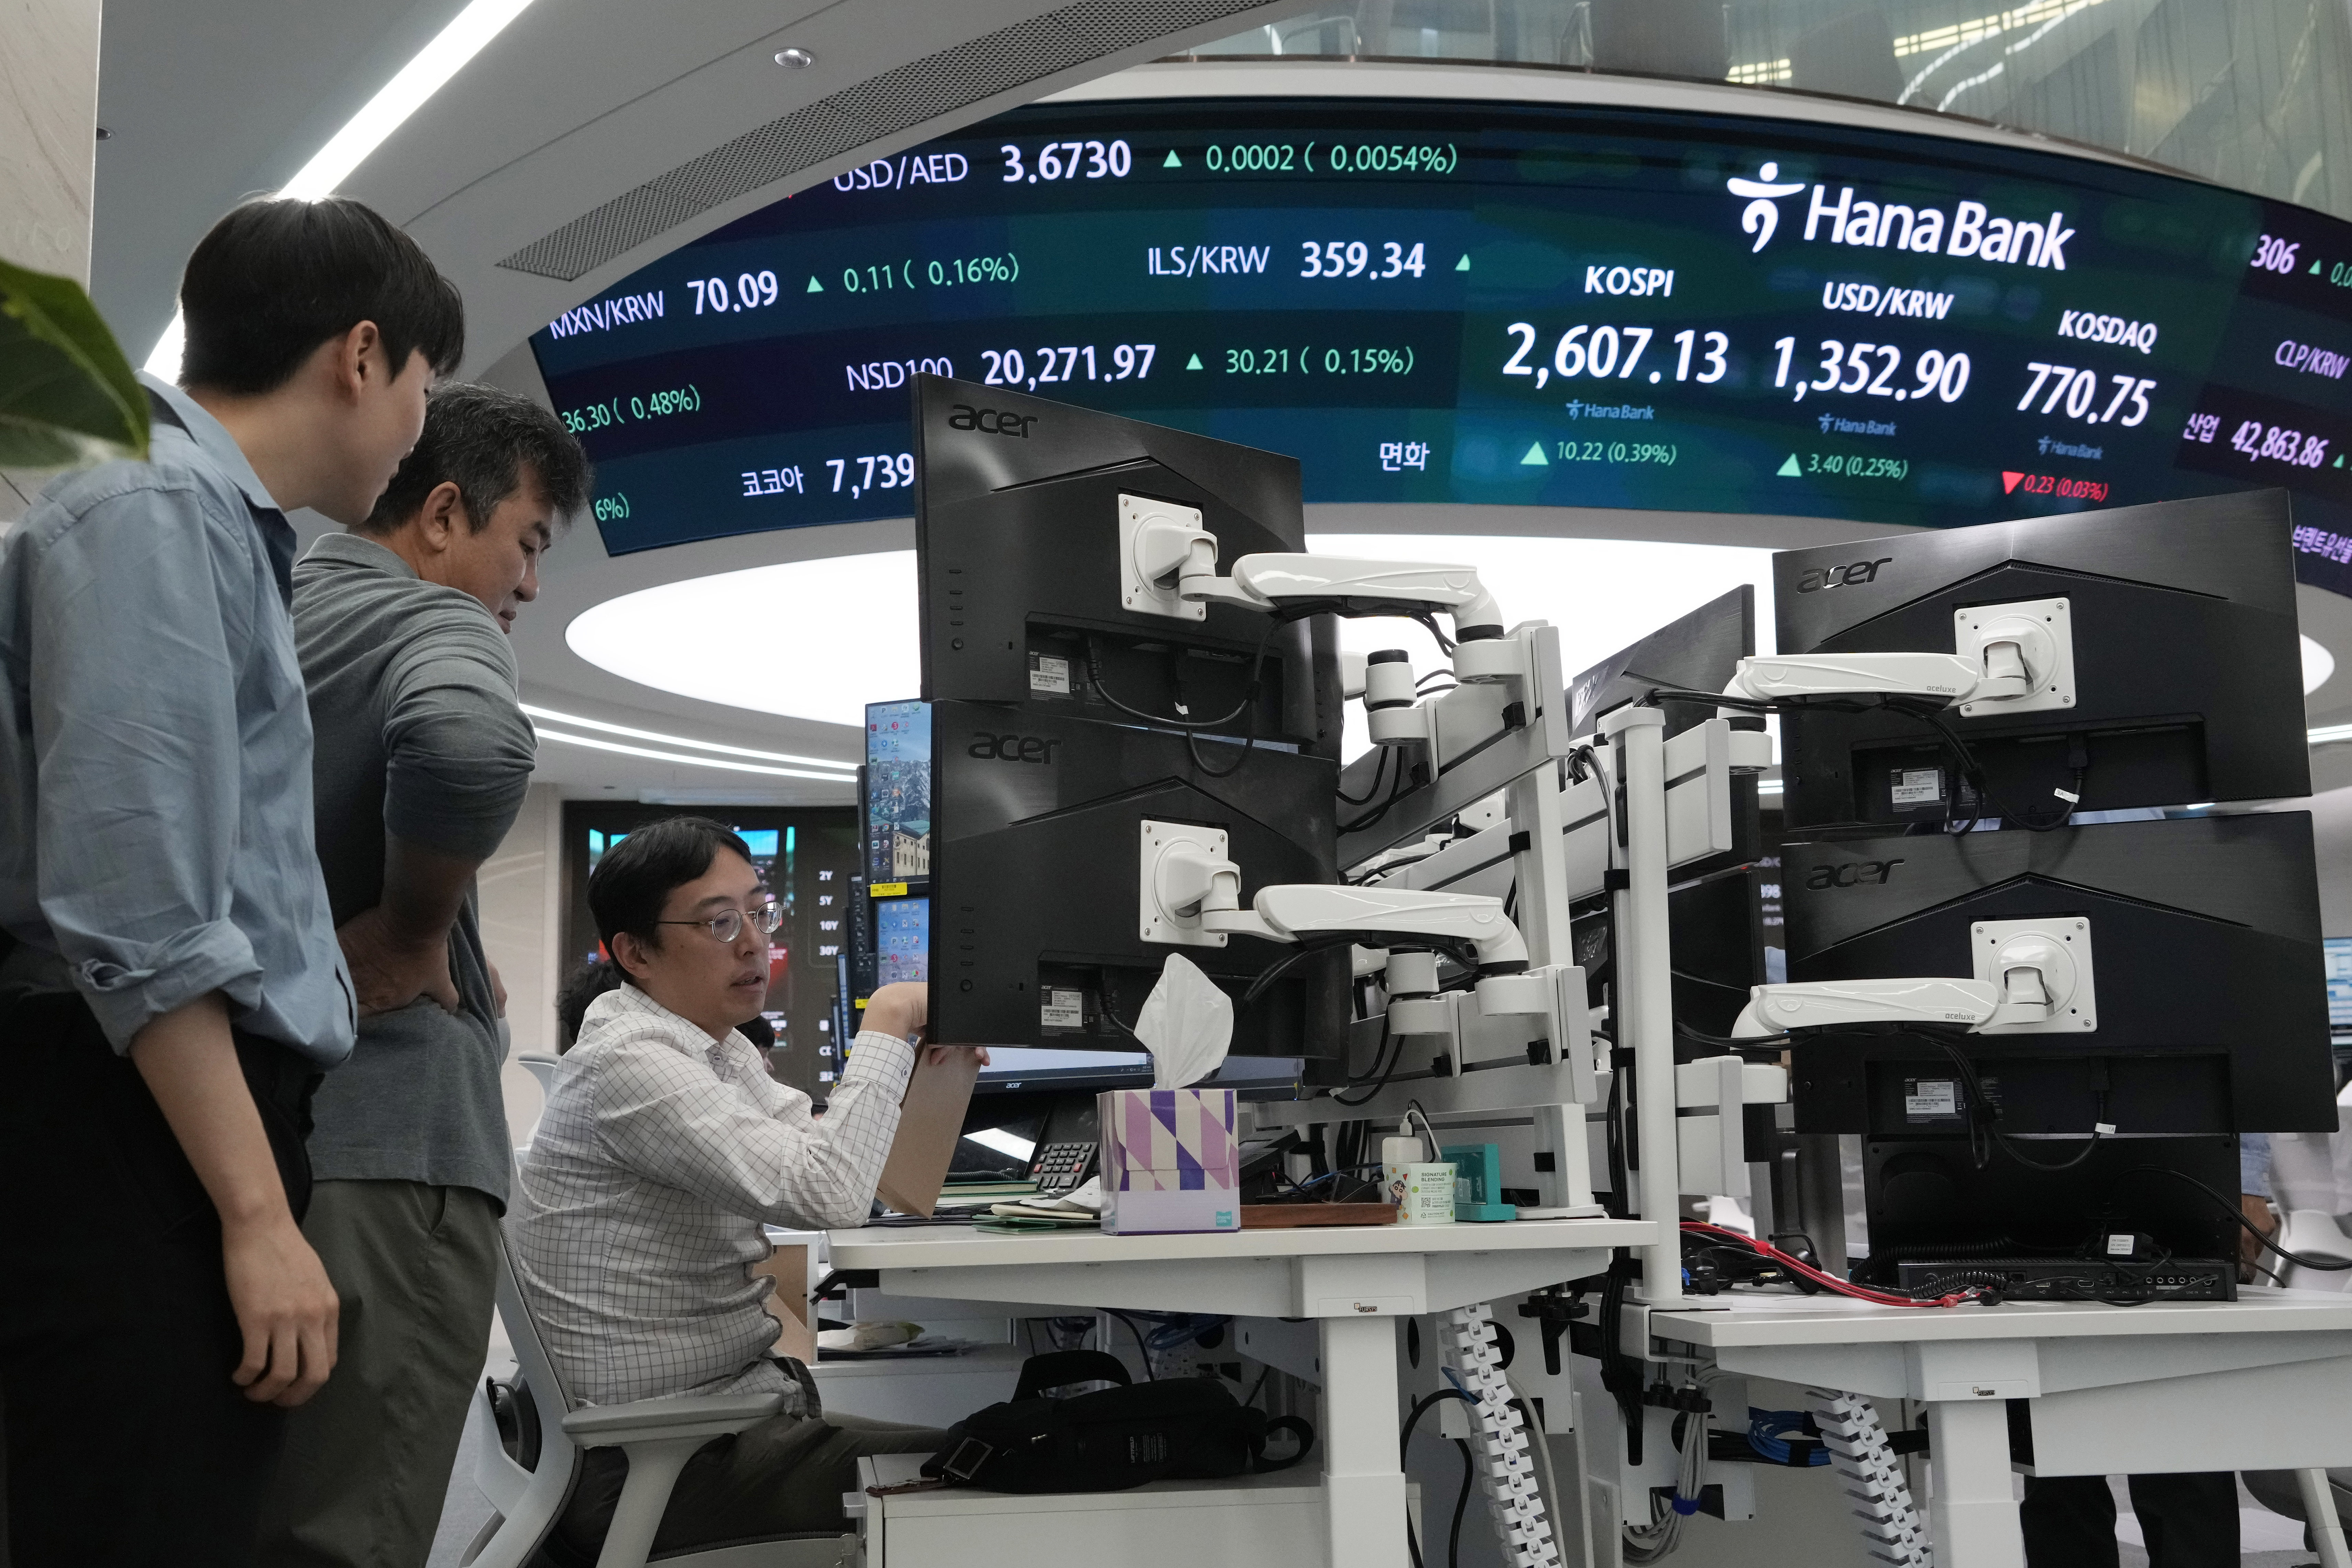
1059	1167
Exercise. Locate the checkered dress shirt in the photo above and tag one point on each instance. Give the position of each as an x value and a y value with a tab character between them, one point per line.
637	1215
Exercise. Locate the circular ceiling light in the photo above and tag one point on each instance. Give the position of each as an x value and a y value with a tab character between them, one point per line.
808	639
795	59
820	639
2318	664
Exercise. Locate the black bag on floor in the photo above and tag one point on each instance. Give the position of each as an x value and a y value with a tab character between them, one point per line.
1188	1428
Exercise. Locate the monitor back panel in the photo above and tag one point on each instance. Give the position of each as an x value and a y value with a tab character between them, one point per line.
1036	885
2211	1006
2188	667
1927	1199
1017	532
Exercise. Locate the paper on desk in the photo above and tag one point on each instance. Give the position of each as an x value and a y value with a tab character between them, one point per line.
1076	1207
1187	1025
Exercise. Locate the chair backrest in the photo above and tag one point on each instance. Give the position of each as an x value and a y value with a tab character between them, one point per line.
527	1500
531	1359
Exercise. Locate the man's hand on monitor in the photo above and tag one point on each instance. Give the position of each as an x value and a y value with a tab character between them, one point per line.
901	1009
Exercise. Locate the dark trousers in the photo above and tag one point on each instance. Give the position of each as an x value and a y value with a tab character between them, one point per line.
2189	1520
127	1443
784	1477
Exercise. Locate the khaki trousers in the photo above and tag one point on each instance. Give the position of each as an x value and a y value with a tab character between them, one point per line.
366	1462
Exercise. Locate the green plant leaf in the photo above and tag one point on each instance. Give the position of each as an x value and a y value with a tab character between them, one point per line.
67	396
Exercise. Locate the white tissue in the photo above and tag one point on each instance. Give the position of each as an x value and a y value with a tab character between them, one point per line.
1187	1025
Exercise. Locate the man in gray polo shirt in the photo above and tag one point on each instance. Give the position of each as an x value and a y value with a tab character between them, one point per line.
422	760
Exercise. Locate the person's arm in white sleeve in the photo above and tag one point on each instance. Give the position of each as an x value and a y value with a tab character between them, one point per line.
668	1120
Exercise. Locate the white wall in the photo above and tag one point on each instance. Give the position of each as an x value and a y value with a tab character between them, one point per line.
48	143
521	888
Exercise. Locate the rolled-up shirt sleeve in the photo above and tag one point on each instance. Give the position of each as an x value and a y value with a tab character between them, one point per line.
135	655
668	1120
458	751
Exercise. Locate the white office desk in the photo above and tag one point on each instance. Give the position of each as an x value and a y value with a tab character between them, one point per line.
1354	1280
2262	1383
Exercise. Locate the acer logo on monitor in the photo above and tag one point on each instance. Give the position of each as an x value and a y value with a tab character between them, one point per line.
1852	874
1013	749
991	421
1819	577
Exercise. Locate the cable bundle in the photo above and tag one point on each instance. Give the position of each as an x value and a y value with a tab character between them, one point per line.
1500	1438
1830	1282
1858	1447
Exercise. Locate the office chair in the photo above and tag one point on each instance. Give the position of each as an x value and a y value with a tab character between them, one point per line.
529	1488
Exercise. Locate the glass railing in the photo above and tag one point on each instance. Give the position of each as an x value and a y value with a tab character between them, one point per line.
2253	94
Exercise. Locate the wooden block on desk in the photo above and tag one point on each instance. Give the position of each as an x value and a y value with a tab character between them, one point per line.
1290	1216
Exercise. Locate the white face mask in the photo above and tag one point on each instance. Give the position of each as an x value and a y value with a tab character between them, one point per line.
1187	1025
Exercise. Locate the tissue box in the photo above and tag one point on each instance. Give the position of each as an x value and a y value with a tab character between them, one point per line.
1170	1160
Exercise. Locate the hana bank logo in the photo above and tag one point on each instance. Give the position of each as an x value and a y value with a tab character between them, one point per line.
1762	218
1967	229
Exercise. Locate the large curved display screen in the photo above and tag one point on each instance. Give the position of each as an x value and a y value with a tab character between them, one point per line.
1503	304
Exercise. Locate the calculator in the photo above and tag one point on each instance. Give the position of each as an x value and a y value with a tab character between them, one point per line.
1059	1167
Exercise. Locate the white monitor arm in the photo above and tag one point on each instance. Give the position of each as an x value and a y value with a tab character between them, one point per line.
1191	881
2032	977
1344	585
2018	656
1169	550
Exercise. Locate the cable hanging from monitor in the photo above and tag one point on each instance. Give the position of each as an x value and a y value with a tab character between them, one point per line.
1192	727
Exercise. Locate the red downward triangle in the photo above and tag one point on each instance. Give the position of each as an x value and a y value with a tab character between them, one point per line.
2009	481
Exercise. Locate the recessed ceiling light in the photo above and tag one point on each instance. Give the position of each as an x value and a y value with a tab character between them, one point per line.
795	59
378	117
811	639
577	722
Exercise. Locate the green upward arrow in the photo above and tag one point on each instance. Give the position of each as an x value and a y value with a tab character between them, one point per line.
1173	161
1789	471
1535	458
1462	265
1192	363
814	287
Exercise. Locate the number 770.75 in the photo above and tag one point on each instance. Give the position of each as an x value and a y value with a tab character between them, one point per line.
2079	389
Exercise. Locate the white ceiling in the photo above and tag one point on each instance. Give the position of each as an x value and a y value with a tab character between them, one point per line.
575	103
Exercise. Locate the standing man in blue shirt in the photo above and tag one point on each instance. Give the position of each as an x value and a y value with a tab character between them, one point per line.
171	988
421	760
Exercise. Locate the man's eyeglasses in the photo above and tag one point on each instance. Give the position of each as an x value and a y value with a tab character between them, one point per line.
726	927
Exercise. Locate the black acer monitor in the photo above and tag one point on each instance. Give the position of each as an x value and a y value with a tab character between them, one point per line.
2210	1019
1061	722
1698	652
2188	671
2212	1005
1017	535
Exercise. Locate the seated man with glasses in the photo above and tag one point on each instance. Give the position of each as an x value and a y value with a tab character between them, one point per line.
664	1146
